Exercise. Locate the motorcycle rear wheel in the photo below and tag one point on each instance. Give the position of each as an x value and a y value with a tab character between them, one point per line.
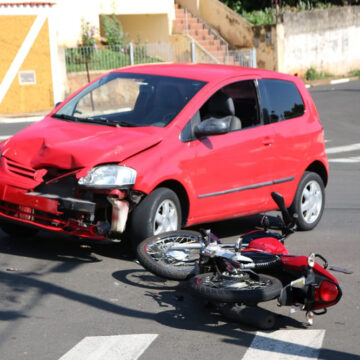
246	290
155	255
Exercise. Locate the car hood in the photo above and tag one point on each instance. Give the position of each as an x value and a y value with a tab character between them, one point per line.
69	145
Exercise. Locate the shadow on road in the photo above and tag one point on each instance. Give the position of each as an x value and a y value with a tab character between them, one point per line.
181	310
57	247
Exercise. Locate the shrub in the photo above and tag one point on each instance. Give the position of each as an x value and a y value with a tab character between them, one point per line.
313	74
310	74
88	33
113	31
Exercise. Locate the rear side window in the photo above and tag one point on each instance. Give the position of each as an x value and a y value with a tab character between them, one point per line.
280	100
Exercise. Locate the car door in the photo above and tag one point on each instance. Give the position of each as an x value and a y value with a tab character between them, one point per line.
232	172
284	111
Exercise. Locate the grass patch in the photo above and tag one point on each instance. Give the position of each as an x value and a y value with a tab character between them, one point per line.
313	74
355	73
260	17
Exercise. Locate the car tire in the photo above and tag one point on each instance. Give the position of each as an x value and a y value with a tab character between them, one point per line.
309	201
157	213
16	230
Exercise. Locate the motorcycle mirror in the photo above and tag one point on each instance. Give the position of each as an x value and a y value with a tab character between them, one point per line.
310	317
238	244
279	200
265	223
311	260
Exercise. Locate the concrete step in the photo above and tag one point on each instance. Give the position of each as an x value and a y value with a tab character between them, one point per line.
200	34
187	23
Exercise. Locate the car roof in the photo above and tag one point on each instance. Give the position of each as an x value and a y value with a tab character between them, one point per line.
201	72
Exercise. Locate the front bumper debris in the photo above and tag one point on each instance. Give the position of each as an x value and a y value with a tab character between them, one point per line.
62	214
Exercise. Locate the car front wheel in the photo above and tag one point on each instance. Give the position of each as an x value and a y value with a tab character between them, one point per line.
157	213
309	201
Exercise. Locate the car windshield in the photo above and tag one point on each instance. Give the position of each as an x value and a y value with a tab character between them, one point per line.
123	99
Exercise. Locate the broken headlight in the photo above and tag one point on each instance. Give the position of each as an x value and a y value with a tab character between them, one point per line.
109	177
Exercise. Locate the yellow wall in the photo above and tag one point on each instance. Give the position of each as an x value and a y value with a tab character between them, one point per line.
146	28
25	98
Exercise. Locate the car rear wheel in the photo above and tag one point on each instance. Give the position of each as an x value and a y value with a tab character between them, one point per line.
157	213
309	201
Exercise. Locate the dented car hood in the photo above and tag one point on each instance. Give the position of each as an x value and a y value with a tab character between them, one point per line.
70	145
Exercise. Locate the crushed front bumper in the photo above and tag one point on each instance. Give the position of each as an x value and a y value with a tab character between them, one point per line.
56	203
51	212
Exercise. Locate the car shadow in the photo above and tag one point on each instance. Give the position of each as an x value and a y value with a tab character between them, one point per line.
57	247
52	246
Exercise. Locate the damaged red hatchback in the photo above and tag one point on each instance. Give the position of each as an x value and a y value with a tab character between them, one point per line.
151	148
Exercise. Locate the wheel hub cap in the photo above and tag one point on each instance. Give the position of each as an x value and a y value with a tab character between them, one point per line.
166	217
311	202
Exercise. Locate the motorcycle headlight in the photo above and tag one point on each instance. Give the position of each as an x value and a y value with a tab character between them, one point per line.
109	177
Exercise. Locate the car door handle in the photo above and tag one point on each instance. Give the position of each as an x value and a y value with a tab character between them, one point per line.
268	141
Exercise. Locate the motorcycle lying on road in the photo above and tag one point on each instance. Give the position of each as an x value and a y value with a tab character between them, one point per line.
239	276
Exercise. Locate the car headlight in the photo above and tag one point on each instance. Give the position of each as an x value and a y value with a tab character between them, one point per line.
109	177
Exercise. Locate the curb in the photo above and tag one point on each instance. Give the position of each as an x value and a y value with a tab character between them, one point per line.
14	119
331	81
22	118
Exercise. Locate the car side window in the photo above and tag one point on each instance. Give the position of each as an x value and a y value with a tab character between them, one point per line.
244	96
280	100
238	102
237	99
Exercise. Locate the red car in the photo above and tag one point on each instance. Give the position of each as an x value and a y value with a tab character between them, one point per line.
152	148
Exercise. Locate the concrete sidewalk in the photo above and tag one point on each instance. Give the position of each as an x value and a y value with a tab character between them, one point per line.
22	118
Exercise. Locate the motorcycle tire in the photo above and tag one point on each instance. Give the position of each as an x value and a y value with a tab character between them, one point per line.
249	290
153	254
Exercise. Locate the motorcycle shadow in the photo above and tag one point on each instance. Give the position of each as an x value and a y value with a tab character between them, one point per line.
178	308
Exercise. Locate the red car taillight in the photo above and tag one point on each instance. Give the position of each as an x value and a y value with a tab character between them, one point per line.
328	291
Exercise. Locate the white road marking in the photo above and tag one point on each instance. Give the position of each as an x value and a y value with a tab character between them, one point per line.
4	137
286	345
349	160
339	81
124	347
340	149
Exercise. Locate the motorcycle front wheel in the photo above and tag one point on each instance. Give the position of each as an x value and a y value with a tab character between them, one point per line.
156	255
247	289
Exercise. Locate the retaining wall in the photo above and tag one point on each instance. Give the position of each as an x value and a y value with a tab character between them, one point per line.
327	40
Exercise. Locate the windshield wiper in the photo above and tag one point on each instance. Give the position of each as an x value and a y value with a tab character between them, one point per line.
97	120
100	120
107	121
66	117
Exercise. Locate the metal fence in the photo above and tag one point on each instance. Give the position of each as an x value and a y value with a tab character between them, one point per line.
81	58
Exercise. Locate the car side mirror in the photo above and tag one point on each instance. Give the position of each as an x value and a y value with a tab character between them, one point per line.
212	127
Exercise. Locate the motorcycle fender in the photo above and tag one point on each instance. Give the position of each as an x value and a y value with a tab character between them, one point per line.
297	263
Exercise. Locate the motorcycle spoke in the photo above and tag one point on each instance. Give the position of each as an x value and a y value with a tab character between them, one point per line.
236	284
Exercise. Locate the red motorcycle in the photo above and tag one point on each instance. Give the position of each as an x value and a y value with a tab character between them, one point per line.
254	269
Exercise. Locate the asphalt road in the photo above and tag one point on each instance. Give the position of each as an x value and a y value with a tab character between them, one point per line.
54	292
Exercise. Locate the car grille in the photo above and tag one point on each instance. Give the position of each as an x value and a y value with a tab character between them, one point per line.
25	213
21	170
